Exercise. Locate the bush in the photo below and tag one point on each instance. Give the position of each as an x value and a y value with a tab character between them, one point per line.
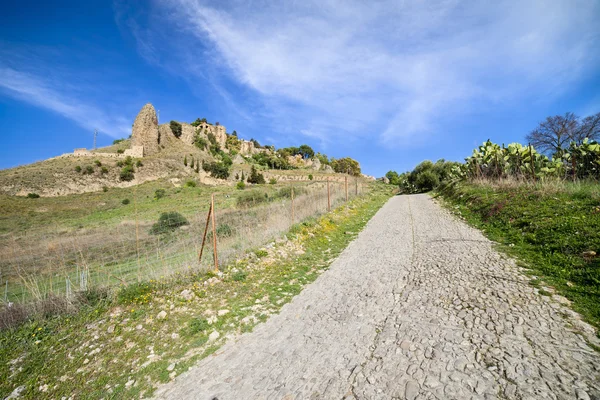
135	293
117	141
310	177
104	170
120	151
239	276
139	163
125	202
104	189
256	177
98	163
78	169
198	325
252	198
176	128
88	170
190	183
168	222
286	192
261	253
200	142
217	170
272	181
33	196
427	180
240	185
224	230
127	173
159	194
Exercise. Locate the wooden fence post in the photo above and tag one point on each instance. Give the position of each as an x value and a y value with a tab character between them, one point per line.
346	186
292	204
205	232
356	186
328	196
214	230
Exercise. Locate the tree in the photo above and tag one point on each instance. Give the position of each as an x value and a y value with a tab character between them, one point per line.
306	151
346	165
176	128
256	177
393	177
589	128
553	135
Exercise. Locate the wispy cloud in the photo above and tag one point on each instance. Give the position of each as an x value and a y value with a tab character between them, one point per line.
394	70
43	93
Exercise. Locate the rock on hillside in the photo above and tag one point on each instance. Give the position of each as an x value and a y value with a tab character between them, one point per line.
145	130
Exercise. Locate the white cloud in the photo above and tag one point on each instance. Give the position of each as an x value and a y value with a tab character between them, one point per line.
391	69
55	97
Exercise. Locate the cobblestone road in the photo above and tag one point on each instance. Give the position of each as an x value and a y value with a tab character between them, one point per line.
420	306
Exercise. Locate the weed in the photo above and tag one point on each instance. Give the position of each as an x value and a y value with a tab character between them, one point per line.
239	276
198	325
261	253
168	222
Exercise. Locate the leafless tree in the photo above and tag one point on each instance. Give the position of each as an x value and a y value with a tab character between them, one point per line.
589	127
554	134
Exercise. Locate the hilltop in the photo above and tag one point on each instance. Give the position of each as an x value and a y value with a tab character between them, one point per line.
175	151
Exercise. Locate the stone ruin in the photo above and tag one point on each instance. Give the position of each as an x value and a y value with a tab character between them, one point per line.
145	131
146	137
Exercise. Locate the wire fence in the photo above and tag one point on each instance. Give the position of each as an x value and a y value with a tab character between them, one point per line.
34	265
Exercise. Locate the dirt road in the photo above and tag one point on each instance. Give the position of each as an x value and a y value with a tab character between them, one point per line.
418	306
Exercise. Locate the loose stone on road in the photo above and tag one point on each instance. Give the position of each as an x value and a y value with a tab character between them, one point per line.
419	306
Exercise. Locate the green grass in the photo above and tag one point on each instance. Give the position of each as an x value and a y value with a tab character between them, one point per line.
58	356
548	227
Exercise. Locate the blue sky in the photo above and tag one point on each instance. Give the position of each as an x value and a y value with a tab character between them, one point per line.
390	83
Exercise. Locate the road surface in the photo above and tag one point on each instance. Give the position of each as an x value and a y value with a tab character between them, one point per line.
419	306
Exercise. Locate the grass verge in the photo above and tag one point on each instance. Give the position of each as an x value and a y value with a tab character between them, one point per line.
554	232
123	345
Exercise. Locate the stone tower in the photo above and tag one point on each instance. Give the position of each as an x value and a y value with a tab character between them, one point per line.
145	131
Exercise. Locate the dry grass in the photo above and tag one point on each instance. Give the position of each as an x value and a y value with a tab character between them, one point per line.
548	186
108	248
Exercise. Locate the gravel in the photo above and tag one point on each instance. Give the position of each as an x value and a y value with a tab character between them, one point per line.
419	306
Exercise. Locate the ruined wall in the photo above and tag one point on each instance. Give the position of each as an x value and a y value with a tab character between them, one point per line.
145	130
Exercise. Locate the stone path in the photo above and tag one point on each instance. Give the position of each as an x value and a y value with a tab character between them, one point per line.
420	306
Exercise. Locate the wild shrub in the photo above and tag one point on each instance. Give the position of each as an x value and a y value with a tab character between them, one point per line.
139	163
252	198
239	276
286	192
104	170
78	168
120	151
240	185
216	169
176	128
272	181
200	142
256	177
191	183
260	253
198	325
98	163
125	202
117	141
310	177
127	173
33	196
88	170
159	194
427	180
136	293
168	222
105	189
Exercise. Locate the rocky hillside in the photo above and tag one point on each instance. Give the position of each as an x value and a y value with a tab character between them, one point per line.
177	151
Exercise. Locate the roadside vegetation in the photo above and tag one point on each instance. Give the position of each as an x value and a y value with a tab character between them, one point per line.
122	343
542	208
